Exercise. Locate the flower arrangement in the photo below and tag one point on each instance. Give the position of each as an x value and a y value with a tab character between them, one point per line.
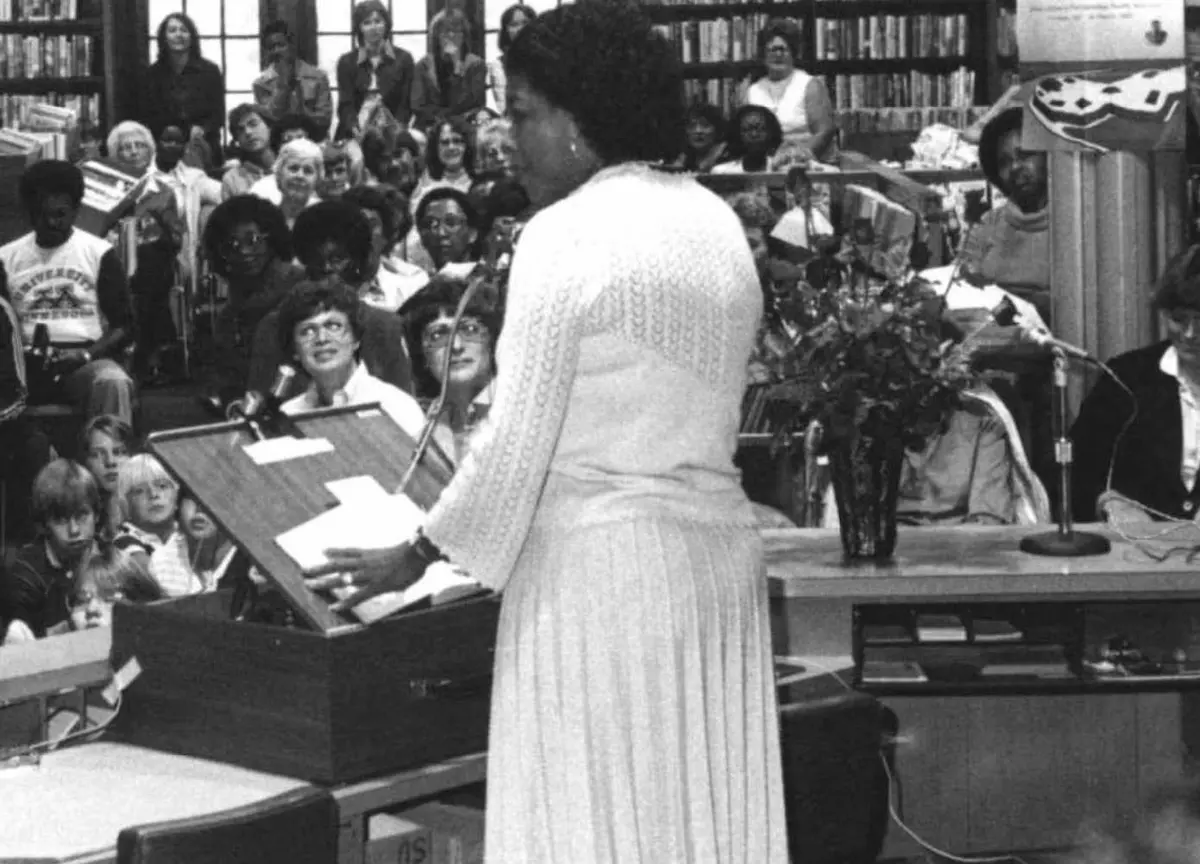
857	343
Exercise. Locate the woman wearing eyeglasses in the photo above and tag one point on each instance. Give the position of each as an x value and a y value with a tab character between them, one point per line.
1150	448
247	243
429	316
321	329
799	100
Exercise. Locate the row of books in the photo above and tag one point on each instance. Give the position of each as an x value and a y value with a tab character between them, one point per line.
725	39
47	56
19	111
39	10
906	119
1006	33
871	37
910	89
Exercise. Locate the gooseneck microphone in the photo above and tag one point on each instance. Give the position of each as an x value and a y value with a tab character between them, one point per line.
263	412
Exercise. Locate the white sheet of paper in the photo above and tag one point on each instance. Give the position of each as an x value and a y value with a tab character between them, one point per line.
442	583
286	447
351	490
365	523
962	295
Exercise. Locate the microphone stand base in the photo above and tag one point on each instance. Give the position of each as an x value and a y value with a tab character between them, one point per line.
1072	544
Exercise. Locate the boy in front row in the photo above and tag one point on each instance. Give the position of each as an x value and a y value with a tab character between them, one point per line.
37	592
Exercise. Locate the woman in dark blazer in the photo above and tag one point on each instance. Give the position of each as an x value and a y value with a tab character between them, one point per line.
183	86
376	71
1155	462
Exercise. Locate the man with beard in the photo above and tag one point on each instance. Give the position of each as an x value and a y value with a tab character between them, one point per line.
392	156
333	239
251	131
72	283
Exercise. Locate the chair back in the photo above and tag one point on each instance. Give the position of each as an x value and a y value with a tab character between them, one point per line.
298	827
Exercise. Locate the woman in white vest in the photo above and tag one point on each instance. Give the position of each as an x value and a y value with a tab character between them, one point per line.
799	100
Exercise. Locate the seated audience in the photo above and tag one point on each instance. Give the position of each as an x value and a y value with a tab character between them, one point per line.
391	156
1010	247
251	132
247	243
798	100
754	136
148	496
321	327
106	443
395	280
471	356
493	150
803	222
1149	446
299	170
448	226
376	73
450	82
109	577
197	555
289	85
333	238
705	144
36	591
55	268
24	448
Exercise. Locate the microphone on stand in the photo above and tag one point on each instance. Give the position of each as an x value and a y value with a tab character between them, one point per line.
263	412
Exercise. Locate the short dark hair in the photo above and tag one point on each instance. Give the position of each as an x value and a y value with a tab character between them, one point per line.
774	130
401	204
50	177
433	159
448	193
1179	286
507	197
372	198
293	121
441	297
239	113
64	489
112	426
781	28
276	26
363	11
504	40
1008	120
239	210
338	221
603	62
311	298
161	37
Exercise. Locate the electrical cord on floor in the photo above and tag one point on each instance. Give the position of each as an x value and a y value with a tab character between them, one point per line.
21	754
893	784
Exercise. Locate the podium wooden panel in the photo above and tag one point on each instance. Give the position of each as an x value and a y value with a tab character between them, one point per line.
255	503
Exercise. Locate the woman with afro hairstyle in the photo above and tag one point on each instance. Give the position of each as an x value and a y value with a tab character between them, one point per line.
634	714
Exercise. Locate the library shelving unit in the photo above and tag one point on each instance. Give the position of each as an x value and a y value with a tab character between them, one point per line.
892	66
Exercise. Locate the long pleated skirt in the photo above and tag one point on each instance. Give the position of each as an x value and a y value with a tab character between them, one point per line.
634	713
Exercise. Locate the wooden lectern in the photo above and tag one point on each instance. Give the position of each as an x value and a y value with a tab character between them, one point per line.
333	701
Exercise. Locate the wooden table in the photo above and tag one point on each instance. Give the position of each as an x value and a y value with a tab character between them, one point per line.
73	805
1021	769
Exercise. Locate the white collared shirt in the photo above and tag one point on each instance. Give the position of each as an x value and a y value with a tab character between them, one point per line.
395	282
1189	412
362	388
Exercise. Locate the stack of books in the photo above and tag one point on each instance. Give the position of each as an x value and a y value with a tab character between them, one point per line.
108	195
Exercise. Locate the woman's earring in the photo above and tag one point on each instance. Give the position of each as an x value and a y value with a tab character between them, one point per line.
574	148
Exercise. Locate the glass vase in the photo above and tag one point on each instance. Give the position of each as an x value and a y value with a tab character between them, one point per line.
866	483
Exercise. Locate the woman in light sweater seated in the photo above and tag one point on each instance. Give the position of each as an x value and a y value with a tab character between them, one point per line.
321	329
1010	247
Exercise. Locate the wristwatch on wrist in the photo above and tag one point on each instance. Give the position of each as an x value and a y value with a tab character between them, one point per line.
87	357
425	549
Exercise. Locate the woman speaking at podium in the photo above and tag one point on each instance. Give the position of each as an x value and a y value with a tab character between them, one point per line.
633	709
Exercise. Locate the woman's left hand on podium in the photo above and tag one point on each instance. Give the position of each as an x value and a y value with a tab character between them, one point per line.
378	571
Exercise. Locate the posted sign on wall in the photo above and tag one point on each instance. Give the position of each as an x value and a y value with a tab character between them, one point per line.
1103	74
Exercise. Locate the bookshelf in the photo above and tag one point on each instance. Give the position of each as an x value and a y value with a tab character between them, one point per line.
892	66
